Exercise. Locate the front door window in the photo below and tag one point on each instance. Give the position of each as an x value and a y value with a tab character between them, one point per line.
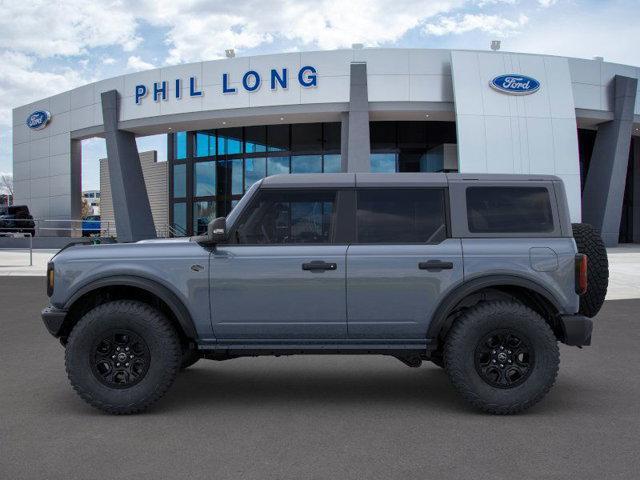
289	217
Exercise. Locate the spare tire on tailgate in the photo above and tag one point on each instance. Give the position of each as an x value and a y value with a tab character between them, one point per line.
590	243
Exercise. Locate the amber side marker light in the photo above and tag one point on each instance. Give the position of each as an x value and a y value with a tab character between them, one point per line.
581	274
50	278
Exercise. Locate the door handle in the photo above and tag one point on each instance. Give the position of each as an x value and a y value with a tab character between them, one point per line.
435	265
319	266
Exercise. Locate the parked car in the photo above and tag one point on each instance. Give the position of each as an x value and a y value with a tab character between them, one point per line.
17	219
91	225
482	275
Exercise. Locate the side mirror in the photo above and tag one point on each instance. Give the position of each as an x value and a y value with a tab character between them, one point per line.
217	230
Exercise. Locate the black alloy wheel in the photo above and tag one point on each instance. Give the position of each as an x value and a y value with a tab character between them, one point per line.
504	358
120	359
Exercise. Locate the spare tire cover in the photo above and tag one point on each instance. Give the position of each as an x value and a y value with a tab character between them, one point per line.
589	242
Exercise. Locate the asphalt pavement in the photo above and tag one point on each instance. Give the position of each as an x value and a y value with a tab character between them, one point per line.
316	417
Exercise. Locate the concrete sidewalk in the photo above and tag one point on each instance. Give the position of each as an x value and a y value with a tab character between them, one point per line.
624	272
624	267
15	262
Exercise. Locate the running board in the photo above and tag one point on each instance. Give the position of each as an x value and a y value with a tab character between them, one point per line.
369	347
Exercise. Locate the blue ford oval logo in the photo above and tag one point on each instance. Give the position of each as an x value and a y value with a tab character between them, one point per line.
38	119
515	84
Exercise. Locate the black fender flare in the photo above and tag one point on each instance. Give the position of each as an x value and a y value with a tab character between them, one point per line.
176	306
467	288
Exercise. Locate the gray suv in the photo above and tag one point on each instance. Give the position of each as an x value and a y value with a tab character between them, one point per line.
479	274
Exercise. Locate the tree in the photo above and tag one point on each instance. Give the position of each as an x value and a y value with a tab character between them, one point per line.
6	184
86	208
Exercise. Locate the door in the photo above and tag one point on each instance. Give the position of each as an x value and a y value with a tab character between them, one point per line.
284	277
401	263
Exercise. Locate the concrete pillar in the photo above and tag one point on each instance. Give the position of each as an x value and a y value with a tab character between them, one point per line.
344	142
76	185
357	142
130	201
604	188
636	189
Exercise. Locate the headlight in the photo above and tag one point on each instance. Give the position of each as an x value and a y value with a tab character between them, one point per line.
50	278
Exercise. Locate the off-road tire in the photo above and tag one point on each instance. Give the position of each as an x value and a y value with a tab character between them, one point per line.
468	332
589	242
190	355
149	324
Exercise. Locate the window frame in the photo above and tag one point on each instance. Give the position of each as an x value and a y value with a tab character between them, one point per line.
459	220
445	205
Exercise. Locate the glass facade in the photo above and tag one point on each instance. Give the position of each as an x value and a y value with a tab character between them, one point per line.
408	146
212	169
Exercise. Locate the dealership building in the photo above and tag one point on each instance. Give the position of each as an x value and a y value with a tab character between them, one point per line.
231	122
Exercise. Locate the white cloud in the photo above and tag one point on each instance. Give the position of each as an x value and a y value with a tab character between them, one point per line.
547	3
136	63
484	3
46	28
108	61
203	30
491	24
20	83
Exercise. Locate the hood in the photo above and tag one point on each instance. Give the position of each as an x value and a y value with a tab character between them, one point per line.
166	240
154	248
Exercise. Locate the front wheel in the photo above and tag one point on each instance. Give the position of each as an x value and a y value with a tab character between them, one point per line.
122	356
502	357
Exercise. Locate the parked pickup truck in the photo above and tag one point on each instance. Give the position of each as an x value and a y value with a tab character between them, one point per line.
17	219
480	274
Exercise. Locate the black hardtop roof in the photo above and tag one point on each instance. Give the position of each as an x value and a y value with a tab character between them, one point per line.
327	180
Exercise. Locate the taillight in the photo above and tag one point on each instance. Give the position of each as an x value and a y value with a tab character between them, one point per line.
581	274
50	278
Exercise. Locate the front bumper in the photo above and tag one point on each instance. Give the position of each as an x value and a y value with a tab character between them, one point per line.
53	319
576	330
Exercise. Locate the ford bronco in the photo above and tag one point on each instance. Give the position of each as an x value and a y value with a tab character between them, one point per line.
482	275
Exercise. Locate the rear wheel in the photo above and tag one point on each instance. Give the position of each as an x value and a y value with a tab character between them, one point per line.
502	357
122	356
589	242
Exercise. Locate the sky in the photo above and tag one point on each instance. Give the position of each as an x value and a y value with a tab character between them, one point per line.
48	47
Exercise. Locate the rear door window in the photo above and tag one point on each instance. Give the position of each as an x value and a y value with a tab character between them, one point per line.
401	215
509	210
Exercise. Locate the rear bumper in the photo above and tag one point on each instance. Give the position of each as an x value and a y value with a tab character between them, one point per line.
53	319
576	330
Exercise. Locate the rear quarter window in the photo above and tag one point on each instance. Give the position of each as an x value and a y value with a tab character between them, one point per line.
509	210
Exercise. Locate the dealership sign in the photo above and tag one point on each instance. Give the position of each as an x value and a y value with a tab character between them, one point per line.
250	81
38	119
515	84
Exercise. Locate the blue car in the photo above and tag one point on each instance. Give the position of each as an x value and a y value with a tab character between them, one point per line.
91	225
